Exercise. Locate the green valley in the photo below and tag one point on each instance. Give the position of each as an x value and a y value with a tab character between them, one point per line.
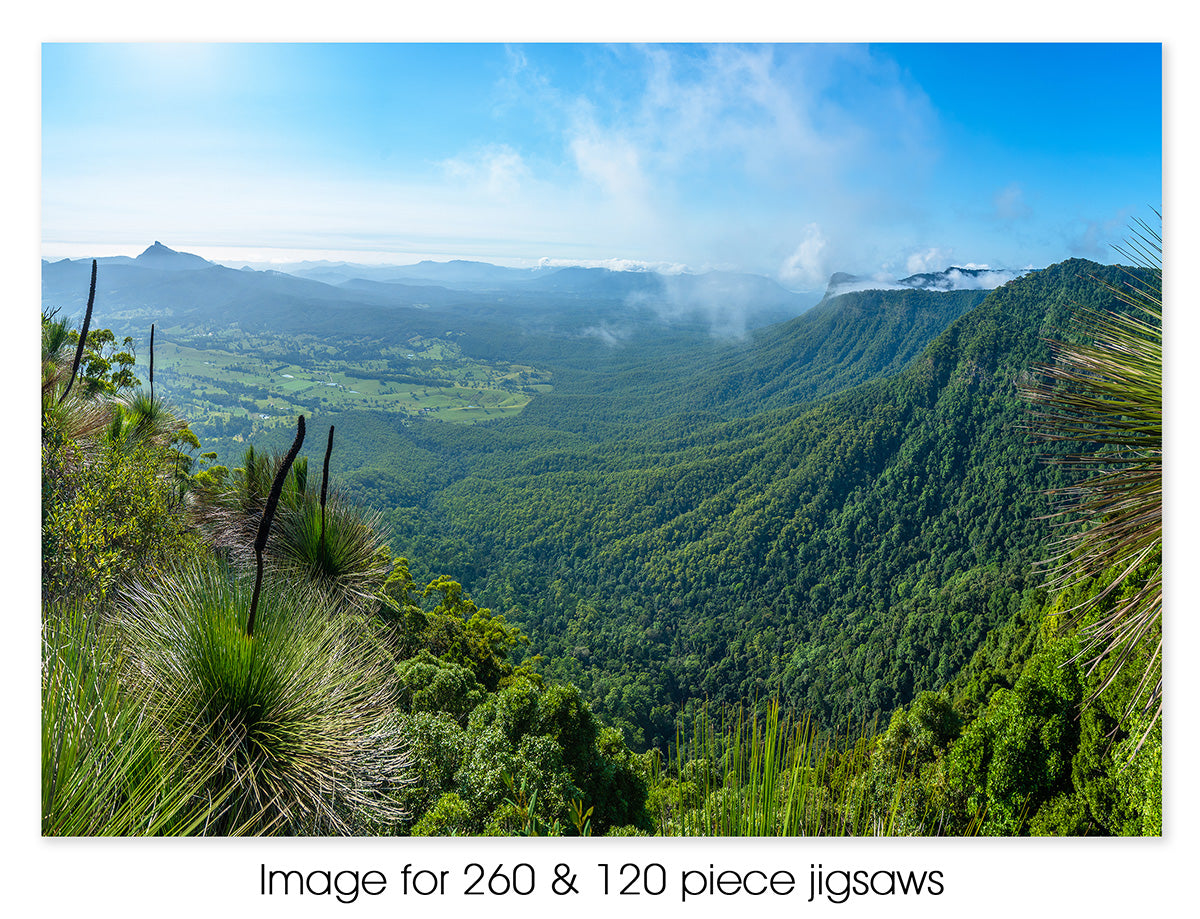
637	552
842	554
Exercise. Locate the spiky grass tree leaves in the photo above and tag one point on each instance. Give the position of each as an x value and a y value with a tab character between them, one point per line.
149	419
339	546
104	772
55	335
82	418
103	412
227	510
1103	395
333	541
101	368
736	772
301	717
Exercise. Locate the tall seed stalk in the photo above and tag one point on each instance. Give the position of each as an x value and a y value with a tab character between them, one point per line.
87	321
325	486
264	526
152	362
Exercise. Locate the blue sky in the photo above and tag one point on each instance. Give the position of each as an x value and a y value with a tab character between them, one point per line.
793	161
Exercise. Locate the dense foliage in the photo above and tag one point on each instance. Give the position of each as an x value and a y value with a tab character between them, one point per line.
707	554
842	554
1007	750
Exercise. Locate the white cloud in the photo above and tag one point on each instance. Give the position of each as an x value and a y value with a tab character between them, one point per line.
775	112
611	162
606	333
806	267
613	264
497	170
956	280
705	153
932	259
949	279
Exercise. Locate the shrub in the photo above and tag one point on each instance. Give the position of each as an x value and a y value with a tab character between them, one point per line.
105	520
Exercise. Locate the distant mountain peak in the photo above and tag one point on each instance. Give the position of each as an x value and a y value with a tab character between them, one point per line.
952	278
956	278
838	278
160	256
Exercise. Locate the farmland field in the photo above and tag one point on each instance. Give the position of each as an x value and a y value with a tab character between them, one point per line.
235	385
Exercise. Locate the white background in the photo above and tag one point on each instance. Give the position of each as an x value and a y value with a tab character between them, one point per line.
221	877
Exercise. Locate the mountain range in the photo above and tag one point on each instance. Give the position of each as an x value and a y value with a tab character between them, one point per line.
569	299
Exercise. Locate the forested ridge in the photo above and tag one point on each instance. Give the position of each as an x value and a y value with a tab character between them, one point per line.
842	553
838	519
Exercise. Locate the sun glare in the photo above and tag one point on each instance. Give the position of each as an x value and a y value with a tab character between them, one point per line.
174	66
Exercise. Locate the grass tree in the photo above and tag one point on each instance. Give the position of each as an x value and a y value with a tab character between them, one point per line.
229	510
82	344
333	541
277	684
109	464
67	416
338	546
300	714
137	419
320	536
1102	396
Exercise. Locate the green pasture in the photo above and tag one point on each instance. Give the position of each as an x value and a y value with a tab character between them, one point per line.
220	382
